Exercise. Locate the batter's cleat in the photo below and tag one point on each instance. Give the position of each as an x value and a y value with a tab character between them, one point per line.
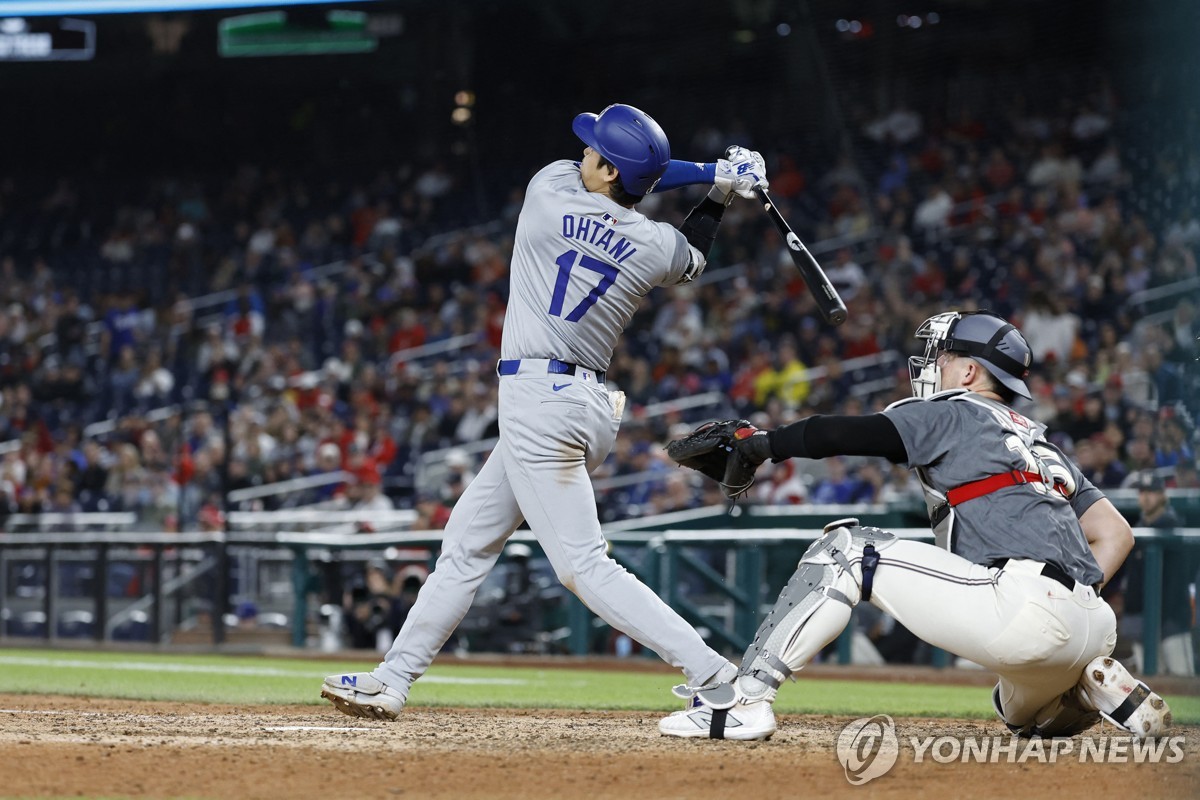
1123	700
745	721
360	694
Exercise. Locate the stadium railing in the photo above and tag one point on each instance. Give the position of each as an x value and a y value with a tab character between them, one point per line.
292	518
734	574
99	584
665	559
81	520
289	486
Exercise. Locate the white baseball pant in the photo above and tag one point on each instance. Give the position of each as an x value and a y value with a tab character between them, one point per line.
550	441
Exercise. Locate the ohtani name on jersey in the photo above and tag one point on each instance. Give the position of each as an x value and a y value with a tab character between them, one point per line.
595	232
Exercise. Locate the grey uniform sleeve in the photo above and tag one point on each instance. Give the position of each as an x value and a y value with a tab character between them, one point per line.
687	262
1085	496
928	430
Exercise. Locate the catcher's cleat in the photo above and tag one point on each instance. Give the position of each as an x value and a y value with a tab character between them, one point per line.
1123	700
746	720
360	694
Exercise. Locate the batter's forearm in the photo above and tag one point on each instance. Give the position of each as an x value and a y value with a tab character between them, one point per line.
822	436
685	173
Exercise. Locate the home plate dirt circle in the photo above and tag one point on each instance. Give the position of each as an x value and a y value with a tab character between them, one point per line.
69	746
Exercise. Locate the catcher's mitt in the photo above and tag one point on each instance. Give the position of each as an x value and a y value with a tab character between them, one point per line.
711	449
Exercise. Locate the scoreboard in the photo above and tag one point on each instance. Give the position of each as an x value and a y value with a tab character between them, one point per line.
52	30
58	8
47	40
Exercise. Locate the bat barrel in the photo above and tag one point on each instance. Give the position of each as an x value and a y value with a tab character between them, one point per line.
819	286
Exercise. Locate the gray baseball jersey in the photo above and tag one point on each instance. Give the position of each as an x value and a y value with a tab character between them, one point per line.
580	266
956	437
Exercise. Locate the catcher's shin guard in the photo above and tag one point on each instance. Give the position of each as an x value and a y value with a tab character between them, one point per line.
812	609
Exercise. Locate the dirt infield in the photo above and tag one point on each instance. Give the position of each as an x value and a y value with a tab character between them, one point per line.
65	746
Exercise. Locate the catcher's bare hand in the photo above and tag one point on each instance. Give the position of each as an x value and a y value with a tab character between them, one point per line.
729	452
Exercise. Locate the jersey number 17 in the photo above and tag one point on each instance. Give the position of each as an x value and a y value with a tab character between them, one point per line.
566	262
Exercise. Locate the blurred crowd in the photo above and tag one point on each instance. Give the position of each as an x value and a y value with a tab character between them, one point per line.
189	337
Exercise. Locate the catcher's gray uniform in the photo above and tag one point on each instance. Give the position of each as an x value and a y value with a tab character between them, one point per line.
1037	633
1013	586
958	437
580	265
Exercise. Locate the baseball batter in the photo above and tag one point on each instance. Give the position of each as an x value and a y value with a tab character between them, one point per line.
1025	544
582	261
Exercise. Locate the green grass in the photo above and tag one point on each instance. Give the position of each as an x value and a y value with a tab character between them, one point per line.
244	679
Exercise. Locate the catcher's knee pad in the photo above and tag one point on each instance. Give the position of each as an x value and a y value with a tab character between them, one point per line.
815	605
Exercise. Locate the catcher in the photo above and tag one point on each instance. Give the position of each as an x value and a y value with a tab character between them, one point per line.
1024	543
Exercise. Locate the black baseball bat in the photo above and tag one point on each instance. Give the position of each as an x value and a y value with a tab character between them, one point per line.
828	300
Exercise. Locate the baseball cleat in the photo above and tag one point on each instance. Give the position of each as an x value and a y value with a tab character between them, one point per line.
1123	700
360	694
744	722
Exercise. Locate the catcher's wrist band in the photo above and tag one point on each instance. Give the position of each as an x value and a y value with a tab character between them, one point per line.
788	441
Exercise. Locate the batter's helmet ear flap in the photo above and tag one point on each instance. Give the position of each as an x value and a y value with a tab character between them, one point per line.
631	140
996	344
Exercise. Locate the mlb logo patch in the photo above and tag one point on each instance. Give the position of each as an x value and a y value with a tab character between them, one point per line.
1018	419
610	219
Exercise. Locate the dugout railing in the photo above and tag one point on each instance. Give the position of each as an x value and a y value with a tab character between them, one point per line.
721	580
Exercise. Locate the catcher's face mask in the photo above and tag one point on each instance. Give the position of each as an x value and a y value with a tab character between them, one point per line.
924	372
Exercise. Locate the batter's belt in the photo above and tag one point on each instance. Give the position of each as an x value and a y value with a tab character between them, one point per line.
551	366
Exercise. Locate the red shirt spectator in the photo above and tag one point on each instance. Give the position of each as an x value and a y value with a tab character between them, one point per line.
787	181
409	331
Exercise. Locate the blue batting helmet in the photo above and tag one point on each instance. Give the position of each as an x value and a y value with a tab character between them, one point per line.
631	140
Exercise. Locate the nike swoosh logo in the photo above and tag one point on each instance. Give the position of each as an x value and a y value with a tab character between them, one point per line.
559	387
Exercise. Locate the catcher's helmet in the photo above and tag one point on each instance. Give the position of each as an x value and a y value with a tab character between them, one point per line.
631	140
981	335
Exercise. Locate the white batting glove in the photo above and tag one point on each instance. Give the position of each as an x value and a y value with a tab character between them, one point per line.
737	174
